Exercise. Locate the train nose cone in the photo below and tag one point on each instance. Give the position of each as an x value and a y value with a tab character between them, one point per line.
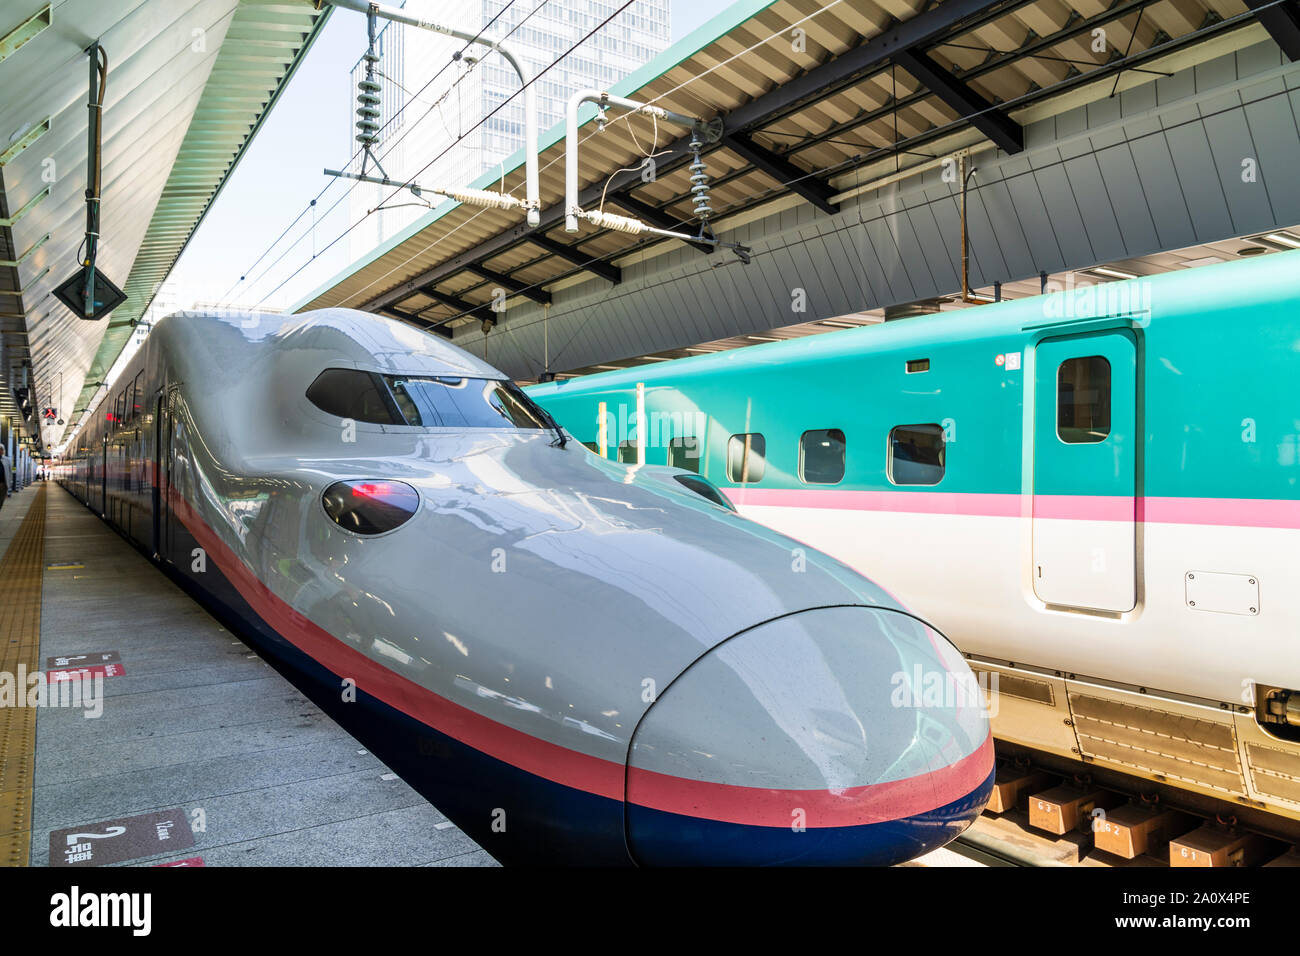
843	735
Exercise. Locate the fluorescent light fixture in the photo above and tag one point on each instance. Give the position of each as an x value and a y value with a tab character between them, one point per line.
1112	273
762	338
655	358
1202	261
1285	238
693	349
609	368
837	324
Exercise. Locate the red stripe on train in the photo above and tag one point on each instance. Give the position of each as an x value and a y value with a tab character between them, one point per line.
755	806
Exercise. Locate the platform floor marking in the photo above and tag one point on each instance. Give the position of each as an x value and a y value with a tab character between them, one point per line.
21	576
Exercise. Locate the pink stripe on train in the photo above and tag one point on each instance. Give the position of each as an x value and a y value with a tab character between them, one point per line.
1233	512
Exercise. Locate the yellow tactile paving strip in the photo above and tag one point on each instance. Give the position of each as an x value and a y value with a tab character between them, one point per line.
21	572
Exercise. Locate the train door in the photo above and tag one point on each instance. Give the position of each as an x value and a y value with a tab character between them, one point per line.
163	458
155	468
1085	471
103	477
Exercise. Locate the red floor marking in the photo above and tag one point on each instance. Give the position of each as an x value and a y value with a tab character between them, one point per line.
77	673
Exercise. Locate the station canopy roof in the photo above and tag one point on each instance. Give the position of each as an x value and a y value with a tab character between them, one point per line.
817	100
189	82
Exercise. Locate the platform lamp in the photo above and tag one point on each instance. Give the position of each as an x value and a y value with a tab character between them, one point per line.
87	292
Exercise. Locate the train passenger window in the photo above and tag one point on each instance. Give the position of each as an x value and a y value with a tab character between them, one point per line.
746	458
464	402
821	456
685	453
627	452
138	392
592	447
1083	400
119	408
916	455
351	393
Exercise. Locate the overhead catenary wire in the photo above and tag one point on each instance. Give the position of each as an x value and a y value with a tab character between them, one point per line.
874	153
680	87
922	204
411	97
388	150
407	183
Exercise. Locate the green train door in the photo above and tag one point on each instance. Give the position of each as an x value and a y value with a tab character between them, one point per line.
1085	471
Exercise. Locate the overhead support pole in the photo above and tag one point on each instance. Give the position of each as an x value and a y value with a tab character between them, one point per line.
782	170
603	269
485	198
657	218
701	132
531	189
635	227
1282	21
512	285
1005	132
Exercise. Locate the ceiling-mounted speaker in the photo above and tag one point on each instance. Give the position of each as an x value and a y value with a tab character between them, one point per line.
105	297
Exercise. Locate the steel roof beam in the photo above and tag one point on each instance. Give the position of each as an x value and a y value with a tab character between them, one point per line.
1282	21
841	72
463	306
571	252
782	170
512	285
1005	132
437	327
845	69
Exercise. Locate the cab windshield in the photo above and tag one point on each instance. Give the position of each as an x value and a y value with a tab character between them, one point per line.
424	401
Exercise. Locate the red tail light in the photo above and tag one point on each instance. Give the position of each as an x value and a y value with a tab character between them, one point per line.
370	507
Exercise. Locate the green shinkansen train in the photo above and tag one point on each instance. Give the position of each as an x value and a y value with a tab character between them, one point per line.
1093	493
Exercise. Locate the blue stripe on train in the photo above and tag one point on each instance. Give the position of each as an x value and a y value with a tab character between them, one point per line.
660	838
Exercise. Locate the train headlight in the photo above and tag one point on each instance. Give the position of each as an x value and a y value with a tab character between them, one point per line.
370	507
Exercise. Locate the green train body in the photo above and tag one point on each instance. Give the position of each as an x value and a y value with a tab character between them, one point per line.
1110	519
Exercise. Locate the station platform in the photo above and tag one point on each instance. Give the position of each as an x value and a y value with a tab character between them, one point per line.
201	753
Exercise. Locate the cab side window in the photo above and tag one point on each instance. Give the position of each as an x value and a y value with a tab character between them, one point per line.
350	393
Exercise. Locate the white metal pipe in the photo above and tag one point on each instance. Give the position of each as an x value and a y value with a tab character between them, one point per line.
603	100
602	430
531	189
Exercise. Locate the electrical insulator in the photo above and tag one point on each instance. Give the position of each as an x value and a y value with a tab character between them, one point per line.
483	197
607	220
368	111
699	181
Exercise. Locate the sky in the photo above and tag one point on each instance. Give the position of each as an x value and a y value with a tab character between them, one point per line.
309	129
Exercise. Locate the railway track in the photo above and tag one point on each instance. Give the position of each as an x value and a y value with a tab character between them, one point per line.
1040	818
